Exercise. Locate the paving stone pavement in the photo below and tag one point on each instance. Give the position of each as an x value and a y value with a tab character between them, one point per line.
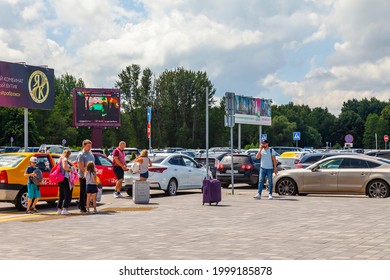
324	227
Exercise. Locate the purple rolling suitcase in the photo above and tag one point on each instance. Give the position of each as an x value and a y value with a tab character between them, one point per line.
211	191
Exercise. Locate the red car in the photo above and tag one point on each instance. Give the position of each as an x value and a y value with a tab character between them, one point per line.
104	168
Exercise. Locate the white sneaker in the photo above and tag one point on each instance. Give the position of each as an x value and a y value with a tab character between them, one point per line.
258	196
270	196
59	211
116	195
65	212
120	195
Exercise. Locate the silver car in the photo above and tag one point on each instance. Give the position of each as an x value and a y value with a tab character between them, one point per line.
344	174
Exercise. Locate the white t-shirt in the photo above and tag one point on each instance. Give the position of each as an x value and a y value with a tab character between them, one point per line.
144	166
266	158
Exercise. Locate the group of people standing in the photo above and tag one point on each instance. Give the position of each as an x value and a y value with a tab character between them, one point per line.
87	176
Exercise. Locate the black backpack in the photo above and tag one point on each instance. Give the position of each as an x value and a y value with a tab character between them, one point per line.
38	178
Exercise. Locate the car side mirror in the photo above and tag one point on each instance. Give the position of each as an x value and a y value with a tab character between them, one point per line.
315	168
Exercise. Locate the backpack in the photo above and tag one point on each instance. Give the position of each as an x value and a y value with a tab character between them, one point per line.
38	178
56	175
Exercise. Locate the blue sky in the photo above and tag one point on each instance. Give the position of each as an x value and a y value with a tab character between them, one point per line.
314	52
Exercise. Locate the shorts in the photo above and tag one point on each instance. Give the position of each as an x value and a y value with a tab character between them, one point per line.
144	175
119	173
33	191
92	188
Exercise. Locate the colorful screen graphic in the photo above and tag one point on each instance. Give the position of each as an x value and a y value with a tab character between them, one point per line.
252	110
96	107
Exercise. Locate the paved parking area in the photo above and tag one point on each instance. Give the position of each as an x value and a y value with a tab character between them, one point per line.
302	227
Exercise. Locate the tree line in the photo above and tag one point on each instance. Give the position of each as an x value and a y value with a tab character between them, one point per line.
178	101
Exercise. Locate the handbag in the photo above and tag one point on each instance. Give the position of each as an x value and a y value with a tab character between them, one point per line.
99	192
135	168
56	175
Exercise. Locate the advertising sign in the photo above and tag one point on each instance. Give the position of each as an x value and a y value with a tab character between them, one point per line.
253	110
96	107
26	86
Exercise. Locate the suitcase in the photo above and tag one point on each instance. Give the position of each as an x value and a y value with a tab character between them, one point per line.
141	192
211	191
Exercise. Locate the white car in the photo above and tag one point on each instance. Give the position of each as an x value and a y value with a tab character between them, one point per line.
170	173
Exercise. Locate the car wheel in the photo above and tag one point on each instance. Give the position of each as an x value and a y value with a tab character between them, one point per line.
172	187
21	200
286	186
129	191
378	189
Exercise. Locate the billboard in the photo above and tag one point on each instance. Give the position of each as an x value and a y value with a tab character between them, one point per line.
26	86
96	107
253	110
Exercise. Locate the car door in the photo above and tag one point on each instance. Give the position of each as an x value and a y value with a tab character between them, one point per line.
46	188
180	171
105	171
195	173
353	175
323	177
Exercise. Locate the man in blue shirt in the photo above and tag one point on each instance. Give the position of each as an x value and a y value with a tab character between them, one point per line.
267	167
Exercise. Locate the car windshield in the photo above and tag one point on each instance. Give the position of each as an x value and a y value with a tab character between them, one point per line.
55	150
384	160
10	160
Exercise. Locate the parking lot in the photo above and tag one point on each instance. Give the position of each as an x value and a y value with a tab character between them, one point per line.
180	227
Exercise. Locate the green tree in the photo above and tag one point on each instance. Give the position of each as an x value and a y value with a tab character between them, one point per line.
281	131
374	125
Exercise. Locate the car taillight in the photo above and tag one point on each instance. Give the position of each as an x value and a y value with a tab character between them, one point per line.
220	167
299	166
157	169
216	163
3	177
246	166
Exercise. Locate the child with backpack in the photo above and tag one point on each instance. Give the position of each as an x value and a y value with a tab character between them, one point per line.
33	193
92	189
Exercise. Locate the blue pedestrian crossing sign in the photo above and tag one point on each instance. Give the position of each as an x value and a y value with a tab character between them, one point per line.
149	114
296	136
263	136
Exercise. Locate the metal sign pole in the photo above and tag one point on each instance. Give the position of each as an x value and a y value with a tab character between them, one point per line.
232	167
207	133
25	129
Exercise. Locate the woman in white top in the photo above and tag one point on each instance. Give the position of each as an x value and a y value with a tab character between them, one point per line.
144	164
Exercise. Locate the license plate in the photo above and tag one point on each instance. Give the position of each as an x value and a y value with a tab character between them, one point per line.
230	171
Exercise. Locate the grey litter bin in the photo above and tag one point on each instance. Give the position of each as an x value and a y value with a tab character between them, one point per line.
141	192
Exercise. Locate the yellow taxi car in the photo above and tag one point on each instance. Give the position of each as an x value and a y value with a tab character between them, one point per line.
289	160
13	184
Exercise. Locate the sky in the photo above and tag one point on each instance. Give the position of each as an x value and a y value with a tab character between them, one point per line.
320	53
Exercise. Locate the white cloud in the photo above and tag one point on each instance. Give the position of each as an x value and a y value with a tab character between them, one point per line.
34	12
302	51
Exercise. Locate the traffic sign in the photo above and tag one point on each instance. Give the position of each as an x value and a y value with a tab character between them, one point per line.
386	138
348	138
296	135
264	136
149	130
149	114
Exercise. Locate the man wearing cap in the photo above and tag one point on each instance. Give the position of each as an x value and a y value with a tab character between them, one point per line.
33	192
267	167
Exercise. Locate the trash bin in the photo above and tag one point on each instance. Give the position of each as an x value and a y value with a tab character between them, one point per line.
141	192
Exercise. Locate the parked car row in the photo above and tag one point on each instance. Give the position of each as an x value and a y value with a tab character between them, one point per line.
342	174
170	172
